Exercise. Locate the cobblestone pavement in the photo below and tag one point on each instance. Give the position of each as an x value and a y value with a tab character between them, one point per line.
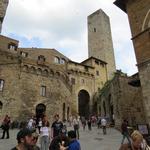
90	140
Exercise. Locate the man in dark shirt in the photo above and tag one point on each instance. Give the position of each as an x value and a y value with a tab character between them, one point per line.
56	127
124	128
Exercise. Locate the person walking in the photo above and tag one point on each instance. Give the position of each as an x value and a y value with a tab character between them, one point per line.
5	127
83	120
57	126
76	125
30	123
45	136
39	124
104	124
89	124
124	131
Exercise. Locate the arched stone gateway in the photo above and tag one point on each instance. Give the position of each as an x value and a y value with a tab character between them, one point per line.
40	110
83	103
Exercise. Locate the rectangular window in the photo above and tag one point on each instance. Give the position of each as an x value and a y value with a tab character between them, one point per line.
1	84
41	58
86	68
73	80
12	46
43	91
24	54
97	73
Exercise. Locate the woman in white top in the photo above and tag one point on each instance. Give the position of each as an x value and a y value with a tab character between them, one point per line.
76	125
45	134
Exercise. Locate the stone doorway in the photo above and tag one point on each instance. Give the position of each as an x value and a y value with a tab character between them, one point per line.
1	105
104	108
68	112
111	109
83	103
40	111
64	112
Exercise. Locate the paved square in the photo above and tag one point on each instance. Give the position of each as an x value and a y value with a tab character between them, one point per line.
90	140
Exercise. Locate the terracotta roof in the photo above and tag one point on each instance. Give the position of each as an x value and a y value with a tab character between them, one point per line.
95	59
80	64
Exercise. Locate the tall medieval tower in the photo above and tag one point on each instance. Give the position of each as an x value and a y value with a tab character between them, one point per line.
100	40
3	7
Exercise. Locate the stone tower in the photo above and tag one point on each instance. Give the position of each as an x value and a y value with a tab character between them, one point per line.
3	7
100	40
138	12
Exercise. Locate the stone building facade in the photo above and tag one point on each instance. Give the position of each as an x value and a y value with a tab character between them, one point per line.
3	8
138	12
100	40
44	81
121	98
34	80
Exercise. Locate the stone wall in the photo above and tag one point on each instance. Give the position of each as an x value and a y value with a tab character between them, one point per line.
139	17
138	12
21	92
122	101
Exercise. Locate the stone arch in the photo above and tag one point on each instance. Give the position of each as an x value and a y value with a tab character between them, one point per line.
57	74
25	68
51	72
32	69
45	72
84	103
39	71
40	110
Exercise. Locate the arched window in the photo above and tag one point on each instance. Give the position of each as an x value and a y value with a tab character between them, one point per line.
57	60
1	84
62	61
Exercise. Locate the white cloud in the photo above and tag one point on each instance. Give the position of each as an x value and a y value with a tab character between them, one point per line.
62	24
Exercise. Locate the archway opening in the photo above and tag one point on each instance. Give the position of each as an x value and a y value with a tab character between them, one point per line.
64	111
40	111
1	106
83	103
68	112
104	108
111	109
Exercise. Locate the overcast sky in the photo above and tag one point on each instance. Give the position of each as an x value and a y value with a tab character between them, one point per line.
62	24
